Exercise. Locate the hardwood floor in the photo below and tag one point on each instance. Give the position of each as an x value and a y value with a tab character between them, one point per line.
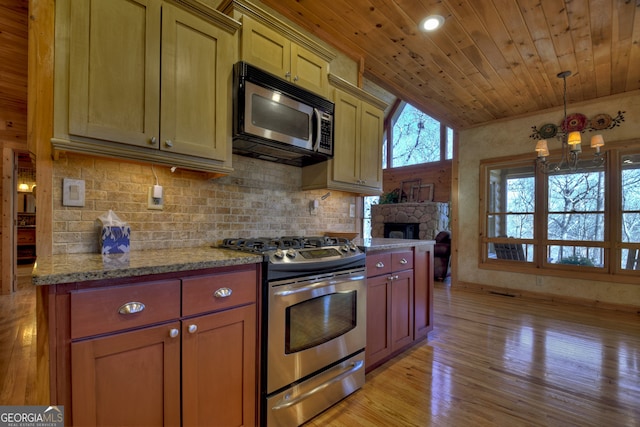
490	361
499	361
18	343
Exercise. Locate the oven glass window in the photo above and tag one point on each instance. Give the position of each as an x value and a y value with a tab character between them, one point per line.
280	118
318	320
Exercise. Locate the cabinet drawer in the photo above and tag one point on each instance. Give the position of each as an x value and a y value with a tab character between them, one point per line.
26	236
212	292
97	311
378	263
401	260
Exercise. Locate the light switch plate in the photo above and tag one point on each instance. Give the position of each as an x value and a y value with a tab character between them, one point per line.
72	192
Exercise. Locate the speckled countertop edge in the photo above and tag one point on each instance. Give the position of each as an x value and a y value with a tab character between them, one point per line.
69	268
377	243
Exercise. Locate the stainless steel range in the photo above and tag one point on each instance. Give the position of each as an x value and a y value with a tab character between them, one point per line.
314	333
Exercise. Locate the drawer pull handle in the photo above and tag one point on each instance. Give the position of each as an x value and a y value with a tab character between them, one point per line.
380	264
174	333
193	328
223	293
403	261
131	308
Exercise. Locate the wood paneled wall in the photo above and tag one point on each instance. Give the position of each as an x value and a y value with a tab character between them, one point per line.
13	71
14	18
438	174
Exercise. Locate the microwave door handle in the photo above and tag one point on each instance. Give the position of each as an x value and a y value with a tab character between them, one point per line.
316	141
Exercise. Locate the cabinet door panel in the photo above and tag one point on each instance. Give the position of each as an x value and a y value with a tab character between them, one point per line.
378	320
309	70
423	293
131	378
371	146
196	69
265	48
346	165
114	70
402	309
218	369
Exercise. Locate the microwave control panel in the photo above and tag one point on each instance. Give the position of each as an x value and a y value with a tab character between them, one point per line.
326	138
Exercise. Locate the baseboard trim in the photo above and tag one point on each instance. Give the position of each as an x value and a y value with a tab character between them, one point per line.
476	287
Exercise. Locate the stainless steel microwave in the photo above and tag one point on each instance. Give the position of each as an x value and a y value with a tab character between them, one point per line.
278	121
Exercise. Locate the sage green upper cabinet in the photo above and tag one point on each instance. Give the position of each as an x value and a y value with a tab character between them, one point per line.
277	48
357	154
273	52
147	80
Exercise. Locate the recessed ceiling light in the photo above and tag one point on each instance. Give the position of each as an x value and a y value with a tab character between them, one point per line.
432	22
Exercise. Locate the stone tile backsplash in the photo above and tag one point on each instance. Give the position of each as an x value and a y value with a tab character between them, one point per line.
259	199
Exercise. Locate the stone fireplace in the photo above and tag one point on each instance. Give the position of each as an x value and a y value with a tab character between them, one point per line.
431	217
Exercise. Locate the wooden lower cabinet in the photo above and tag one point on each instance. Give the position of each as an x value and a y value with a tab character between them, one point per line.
126	379
389	305
180	349
219	368
399	301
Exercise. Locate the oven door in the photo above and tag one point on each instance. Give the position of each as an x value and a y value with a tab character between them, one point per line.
313	323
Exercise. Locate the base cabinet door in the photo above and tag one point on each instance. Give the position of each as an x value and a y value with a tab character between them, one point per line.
126	379
218	368
378	320
401	309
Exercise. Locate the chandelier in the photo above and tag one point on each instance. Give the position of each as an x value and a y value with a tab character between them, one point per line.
571	145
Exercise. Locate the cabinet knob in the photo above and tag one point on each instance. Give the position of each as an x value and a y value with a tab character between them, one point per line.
193	328
168	143
403	261
295	79
223	293
287	74
131	307
153	140
380	264
174	333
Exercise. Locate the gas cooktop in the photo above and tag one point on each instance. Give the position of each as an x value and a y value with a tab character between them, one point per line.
293	256
264	245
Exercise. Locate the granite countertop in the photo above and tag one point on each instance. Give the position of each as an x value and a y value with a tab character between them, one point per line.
69	268
378	243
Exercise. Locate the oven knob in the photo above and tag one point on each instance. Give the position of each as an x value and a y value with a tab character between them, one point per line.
291	253
344	248
278	253
353	247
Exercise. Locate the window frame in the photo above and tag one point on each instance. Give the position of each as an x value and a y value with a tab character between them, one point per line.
395	112
611	244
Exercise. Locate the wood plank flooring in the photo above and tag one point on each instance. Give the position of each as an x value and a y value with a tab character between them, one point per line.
500	361
490	361
18	343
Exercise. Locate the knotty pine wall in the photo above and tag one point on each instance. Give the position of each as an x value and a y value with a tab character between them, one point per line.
13	118
438	174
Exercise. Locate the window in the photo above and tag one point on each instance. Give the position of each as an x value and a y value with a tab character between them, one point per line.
575	218
586	221
630	224
415	138
510	212
366	220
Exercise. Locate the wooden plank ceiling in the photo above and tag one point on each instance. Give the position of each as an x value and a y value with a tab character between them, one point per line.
492	59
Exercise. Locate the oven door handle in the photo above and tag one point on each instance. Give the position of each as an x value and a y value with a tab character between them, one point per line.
355	366
306	288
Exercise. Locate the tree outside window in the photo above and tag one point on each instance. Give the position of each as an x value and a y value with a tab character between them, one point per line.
416	138
583	220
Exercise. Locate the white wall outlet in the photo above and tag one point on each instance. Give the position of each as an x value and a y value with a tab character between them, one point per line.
155	202
352	210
